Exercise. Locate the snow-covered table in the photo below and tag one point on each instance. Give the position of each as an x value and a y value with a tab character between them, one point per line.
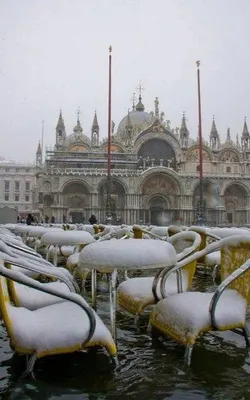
130	254
65	238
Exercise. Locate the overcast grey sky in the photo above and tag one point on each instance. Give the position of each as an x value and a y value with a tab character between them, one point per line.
54	54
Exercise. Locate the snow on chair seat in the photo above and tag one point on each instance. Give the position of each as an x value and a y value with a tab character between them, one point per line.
60	328
137	293
213	259
32	299
184	316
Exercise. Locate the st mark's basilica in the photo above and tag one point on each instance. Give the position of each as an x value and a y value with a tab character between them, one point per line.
154	173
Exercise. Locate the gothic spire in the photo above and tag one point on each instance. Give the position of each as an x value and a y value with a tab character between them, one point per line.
60	124
245	132
95	125
213	132
184	129
39	149
156	107
184	133
128	122
228	135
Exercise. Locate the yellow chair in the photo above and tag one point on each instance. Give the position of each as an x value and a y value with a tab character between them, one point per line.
135	294
185	316
173	229
65	327
212	260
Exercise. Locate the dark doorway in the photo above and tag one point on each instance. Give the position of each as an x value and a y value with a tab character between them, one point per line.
77	217
230	218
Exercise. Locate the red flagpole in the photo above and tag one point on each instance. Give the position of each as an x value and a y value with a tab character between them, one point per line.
108	205
201	205
109	110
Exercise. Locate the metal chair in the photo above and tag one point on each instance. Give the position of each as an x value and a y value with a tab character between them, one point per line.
185	316
135	294
65	327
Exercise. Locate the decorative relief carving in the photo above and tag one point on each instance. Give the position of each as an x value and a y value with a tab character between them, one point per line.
194	155
158	128
47	186
229	156
159	184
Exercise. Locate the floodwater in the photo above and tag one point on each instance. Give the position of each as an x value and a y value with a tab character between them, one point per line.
150	367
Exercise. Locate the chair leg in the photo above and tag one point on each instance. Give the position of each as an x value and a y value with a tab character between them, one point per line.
188	354
30	366
115	361
246	334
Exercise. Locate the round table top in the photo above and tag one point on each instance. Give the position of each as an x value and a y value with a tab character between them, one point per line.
128	254
67	238
38	231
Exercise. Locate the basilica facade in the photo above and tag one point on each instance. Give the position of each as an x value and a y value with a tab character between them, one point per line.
154	173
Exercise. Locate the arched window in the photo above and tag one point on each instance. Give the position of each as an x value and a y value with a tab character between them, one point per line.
228	169
198	168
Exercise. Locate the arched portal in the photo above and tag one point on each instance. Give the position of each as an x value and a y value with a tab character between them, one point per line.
117	200
159	211
76	202
159	151
47	203
211	202
160	196
235	198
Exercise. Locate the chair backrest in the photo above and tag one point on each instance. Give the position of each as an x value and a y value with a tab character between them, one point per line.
137	231
205	234
5	303
173	229
186	243
234	253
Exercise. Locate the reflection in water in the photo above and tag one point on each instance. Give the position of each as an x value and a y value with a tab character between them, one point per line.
150	368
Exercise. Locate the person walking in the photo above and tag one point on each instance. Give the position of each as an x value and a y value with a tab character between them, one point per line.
93	219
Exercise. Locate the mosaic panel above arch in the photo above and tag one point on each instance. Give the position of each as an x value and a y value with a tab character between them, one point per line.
193	155
157	184
75	187
114	148
236	194
228	155
78	148
158	149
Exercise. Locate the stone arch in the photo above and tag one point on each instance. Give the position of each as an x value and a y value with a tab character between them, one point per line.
236	203
159	198
211	194
159	150
72	180
103	183
160	180
47	203
76	200
228	155
161	136
117	198
159	207
193	154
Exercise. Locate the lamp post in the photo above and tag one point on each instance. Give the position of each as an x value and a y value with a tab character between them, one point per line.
108	201
200	208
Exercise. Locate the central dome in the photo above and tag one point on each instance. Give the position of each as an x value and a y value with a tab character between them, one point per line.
138	118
